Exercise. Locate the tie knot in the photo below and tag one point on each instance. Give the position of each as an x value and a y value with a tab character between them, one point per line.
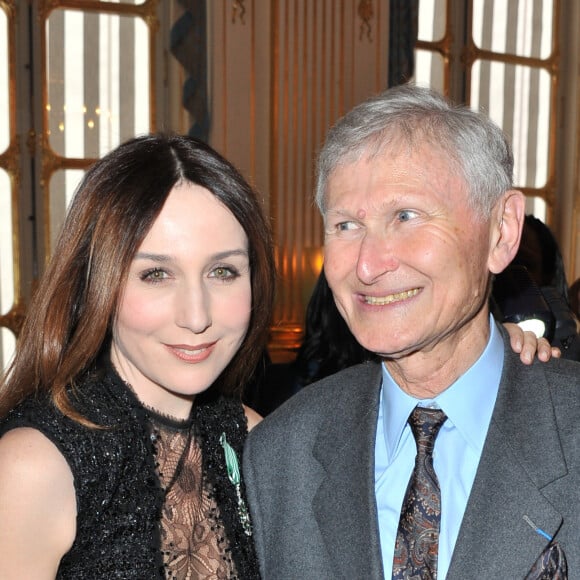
425	424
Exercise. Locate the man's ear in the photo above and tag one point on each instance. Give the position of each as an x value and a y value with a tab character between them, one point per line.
506	230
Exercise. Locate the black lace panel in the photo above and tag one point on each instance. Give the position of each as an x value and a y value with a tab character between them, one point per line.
189	507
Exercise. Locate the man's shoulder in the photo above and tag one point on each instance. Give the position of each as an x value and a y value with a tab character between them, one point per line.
558	378
333	396
563	378
555	370
340	384
562	367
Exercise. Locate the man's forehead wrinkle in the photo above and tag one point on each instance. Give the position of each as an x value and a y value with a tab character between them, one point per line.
369	208
403	146
389	143
421	171
401	139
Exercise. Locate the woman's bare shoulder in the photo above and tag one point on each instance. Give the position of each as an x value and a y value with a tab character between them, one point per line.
37	505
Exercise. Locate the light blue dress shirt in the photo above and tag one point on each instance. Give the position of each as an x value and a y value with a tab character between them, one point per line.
468	404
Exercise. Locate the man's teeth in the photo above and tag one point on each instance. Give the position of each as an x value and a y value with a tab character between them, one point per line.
380	301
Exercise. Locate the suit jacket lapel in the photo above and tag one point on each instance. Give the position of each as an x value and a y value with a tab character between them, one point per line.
521	455
345	505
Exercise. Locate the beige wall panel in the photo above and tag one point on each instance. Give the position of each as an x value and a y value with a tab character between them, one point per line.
567	218
280	79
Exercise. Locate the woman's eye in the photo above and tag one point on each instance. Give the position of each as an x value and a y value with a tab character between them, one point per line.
224	273
154	275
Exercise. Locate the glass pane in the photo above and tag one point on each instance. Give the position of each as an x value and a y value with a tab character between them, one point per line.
429	69
6	248
4	93
520	27
98	81
7	346
62	186
526	120
432	15
538	207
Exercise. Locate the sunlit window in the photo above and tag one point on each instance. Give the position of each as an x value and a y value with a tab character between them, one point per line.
7	345
90	88
4	94
98	79
6	233
507	60
526	121
518	27
6	249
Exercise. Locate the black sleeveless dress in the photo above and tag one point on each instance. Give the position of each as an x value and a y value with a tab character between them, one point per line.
153	495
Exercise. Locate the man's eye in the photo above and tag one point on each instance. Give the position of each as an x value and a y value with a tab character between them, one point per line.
345	226
406	215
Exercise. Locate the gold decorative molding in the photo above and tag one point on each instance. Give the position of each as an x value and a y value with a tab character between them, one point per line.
285	339
9	162
9	6
147	9
238	7
14	318
366	13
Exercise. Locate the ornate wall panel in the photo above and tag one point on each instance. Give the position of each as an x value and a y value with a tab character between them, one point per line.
282	73
568	152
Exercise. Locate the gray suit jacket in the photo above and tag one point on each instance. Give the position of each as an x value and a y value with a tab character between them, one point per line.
309	469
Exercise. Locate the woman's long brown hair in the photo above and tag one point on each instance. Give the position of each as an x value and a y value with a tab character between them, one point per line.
69	321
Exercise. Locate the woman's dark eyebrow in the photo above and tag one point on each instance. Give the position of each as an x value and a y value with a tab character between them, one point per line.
161	258
164	258
230	253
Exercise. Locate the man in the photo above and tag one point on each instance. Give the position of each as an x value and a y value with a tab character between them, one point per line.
419	214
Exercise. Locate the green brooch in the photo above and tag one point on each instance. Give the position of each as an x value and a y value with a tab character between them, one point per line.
233	468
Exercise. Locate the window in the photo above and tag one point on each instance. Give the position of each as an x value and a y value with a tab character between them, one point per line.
74	83
500	57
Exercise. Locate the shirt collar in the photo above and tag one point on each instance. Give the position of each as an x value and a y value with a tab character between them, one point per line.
468	402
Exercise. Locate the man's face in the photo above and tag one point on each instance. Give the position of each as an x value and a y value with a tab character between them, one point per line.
406	257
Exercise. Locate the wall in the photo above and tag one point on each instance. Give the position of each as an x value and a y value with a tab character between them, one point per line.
282	73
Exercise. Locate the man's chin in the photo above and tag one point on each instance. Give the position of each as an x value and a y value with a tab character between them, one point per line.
389	350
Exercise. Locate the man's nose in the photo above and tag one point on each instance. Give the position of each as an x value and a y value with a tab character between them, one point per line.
376	257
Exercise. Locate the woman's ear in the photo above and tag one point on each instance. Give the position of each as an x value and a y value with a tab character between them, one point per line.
506	230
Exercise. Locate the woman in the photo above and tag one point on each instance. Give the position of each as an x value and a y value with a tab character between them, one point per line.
122	425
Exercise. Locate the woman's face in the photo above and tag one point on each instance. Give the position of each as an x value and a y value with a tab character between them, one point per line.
186	305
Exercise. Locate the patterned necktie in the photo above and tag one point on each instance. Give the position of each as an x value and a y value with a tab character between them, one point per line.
417	543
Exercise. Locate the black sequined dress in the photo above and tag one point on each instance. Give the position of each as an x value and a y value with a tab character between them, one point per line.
153	495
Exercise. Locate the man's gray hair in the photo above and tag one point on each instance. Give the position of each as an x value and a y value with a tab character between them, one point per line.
410	116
